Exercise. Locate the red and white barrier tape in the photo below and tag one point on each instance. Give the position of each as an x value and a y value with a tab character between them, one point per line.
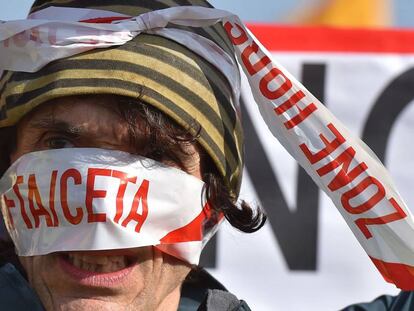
96	199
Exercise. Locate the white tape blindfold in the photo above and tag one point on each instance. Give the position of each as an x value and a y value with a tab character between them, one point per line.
96	199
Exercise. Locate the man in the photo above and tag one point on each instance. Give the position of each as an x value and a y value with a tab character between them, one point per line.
150	97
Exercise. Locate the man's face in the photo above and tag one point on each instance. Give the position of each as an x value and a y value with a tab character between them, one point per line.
134	279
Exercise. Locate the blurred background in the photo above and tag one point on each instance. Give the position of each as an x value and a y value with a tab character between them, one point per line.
358	13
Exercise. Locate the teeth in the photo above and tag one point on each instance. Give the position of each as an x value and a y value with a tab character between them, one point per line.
121	265
117	259
107	268
101	260
71	258
102	264
87	266
77	262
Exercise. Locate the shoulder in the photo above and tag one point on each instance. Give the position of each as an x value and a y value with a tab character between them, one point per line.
404	301
203	292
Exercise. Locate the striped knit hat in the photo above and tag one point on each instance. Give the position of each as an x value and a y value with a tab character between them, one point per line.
159	71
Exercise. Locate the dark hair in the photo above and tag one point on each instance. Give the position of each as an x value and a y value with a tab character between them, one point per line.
165	139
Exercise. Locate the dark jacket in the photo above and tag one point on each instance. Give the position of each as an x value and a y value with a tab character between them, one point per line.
200	292
15	292
404	301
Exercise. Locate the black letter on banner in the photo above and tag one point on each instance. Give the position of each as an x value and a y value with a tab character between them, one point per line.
296	232
392	101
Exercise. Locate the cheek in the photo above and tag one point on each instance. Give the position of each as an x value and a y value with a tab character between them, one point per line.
27	263
18	152
39	269
33	267
173	271
24	141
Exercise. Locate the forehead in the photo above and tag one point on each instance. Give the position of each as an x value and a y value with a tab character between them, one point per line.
75	109
75	105
88	115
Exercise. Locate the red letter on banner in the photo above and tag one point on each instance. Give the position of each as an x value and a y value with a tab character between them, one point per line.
34	36
358	189
236	40
141	195
52	35
40	211
124	179
77	179
91	193
259	65
292	101
303	113
52	198
363	223
343	177
268	78
301	116
21	39
6	43
16	190
330	146
9	204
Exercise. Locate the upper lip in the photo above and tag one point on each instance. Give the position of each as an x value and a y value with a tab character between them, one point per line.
112	252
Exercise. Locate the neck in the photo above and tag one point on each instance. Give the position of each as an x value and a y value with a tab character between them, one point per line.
170	302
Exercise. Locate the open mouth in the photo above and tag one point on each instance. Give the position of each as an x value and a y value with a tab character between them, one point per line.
98	263
97	268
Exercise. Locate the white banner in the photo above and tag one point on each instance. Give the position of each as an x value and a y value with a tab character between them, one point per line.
306	257
95	199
